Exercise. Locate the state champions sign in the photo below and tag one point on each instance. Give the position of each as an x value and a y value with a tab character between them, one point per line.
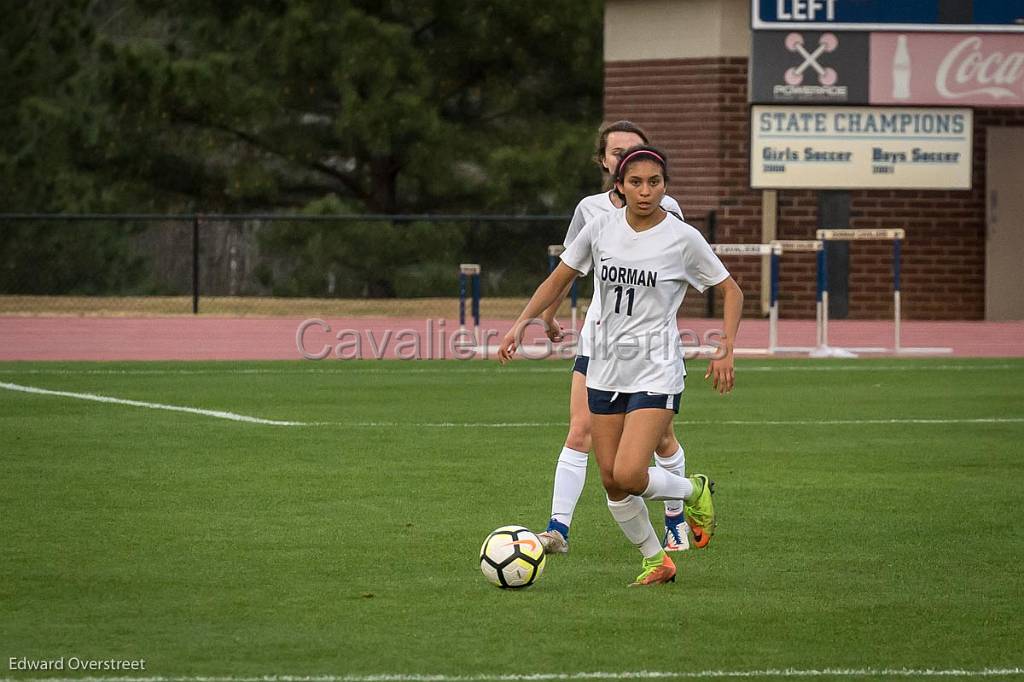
860	148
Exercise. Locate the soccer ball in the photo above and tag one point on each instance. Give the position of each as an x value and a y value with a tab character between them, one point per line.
512	556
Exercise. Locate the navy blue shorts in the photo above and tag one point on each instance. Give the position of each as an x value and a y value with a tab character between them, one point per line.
609	402
581	364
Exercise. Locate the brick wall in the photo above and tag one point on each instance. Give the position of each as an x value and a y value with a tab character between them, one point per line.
696	110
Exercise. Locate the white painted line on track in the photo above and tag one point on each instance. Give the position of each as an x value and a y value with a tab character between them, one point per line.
545	677
334	370
151	406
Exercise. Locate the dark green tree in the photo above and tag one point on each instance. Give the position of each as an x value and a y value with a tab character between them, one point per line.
388	106
55	122
49	113
377	107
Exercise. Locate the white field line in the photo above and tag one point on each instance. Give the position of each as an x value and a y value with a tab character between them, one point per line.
691	422
394	367
545	677
232	416
152	406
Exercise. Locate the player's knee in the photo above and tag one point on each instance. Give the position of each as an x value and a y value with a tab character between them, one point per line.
608	481
668	445
632	482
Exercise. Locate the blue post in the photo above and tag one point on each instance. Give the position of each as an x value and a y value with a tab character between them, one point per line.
896	250
462	299
822	304
774	279
476	299
821	274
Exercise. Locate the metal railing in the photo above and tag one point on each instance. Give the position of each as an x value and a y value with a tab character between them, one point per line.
266	254
272	255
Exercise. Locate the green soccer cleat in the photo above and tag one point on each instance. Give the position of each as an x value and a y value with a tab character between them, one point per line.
658	569
700	510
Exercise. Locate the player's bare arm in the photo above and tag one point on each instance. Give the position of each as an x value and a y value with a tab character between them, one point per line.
547	294
720	369
551	326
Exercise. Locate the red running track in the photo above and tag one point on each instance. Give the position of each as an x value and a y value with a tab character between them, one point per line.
227	338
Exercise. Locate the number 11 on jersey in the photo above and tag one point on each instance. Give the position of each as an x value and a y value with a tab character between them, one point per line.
630	294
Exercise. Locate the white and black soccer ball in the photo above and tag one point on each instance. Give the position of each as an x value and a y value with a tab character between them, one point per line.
512	556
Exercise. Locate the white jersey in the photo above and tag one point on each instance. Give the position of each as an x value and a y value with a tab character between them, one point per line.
642	278
589	208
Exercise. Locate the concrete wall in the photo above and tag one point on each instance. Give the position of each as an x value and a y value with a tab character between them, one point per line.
676	29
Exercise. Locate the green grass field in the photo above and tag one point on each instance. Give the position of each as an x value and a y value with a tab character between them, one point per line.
871	523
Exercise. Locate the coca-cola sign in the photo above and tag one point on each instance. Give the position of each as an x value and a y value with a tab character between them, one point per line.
947	68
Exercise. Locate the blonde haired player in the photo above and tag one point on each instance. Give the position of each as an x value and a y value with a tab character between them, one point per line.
645	259
571	469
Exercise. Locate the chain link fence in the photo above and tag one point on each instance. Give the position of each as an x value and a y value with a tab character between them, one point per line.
263	263
135	261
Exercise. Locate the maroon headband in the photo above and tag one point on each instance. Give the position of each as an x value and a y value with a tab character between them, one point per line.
648	152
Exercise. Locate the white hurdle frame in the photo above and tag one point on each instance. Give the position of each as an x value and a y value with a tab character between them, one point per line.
775	250
896	235
796	246
758	250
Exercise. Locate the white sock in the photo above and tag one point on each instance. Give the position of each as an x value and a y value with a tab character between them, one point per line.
677	465
570	475
632	517
661	485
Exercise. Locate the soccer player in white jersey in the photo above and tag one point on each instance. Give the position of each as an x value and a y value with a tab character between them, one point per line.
571	469
645	259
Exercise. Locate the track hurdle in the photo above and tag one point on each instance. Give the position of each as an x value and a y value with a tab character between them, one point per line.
775	251
469	274
758	250
896	236
554	251
783	246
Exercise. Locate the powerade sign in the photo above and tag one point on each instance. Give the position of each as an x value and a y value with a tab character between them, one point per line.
889	15
809	66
